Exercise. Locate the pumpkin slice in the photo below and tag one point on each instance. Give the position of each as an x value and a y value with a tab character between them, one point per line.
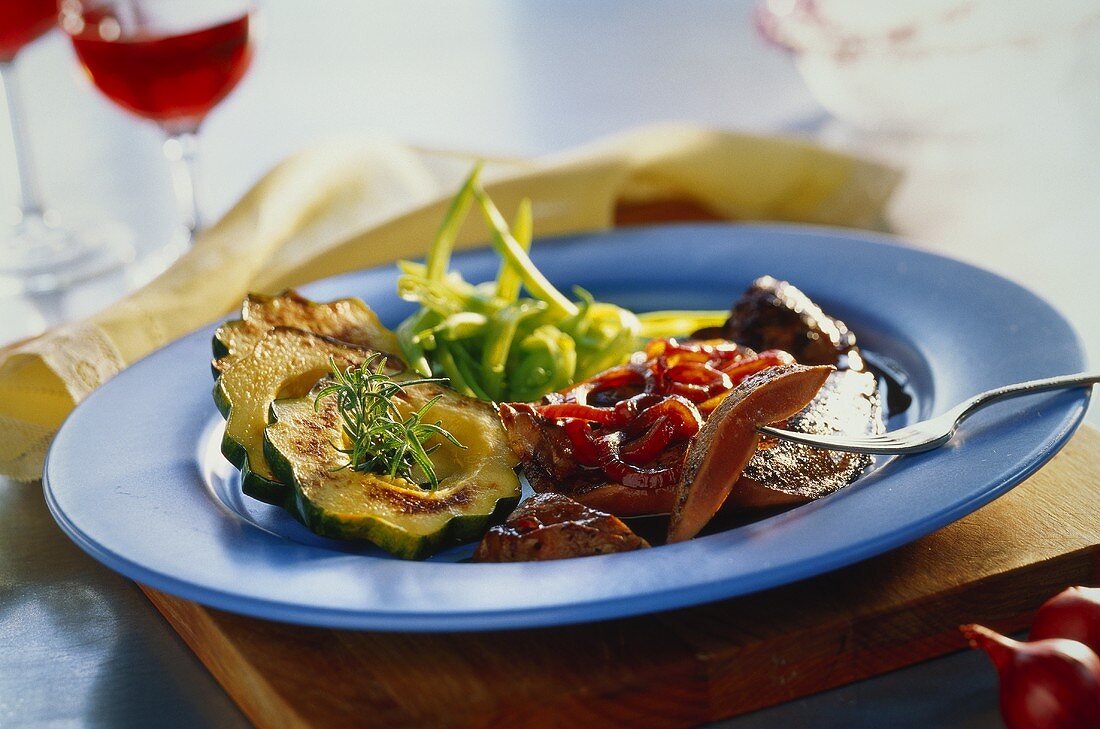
283	363
347	320
728	440
477	484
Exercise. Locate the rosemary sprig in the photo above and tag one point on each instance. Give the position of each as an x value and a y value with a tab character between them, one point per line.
381	440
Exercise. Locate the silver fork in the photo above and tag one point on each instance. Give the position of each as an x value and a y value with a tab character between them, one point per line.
932	433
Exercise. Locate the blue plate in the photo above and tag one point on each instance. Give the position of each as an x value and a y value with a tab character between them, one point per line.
136	479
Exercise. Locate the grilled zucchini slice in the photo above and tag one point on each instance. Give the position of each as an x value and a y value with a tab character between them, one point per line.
347	320
478	485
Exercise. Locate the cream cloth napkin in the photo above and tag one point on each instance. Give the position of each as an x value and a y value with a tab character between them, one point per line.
351	203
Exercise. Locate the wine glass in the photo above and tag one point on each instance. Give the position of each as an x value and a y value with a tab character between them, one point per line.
42	250
170	61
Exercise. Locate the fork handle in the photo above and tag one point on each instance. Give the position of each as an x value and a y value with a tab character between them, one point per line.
980	400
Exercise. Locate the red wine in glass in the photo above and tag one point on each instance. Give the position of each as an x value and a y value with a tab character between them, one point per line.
169	61
23	21
174	80
42	250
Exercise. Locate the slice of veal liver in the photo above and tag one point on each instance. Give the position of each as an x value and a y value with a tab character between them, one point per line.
553	526
783	473
774	314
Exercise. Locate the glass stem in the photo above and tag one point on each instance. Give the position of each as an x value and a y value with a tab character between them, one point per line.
181	149
30	203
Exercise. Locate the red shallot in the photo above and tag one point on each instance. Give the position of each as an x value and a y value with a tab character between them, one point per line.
1073	613
1046	684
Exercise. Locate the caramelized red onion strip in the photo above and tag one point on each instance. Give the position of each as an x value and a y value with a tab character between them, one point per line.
629	475
670	420
603	452
704	350
603	416
613	417
738	371
742	369
580	437
616	377
680	410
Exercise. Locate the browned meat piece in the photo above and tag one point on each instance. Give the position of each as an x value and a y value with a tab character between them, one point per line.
543	449
773	314
783	473
552	526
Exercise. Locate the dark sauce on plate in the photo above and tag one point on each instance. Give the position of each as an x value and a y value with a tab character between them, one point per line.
894	384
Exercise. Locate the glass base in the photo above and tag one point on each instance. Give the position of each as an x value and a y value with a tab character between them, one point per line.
43	253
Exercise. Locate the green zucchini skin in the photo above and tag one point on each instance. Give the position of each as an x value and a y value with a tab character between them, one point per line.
253	484
220	348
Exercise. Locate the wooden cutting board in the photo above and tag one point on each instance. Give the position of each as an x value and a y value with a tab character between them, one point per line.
687	666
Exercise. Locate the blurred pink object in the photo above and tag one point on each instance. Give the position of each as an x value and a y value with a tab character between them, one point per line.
940	67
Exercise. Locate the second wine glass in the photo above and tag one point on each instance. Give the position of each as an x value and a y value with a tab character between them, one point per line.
167	61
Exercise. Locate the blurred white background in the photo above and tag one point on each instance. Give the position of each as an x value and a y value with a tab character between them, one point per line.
992	107
499	77
517	78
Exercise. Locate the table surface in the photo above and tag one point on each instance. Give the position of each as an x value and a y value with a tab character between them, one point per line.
83	647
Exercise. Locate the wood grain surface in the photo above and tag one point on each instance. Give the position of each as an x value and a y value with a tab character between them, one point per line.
682	667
